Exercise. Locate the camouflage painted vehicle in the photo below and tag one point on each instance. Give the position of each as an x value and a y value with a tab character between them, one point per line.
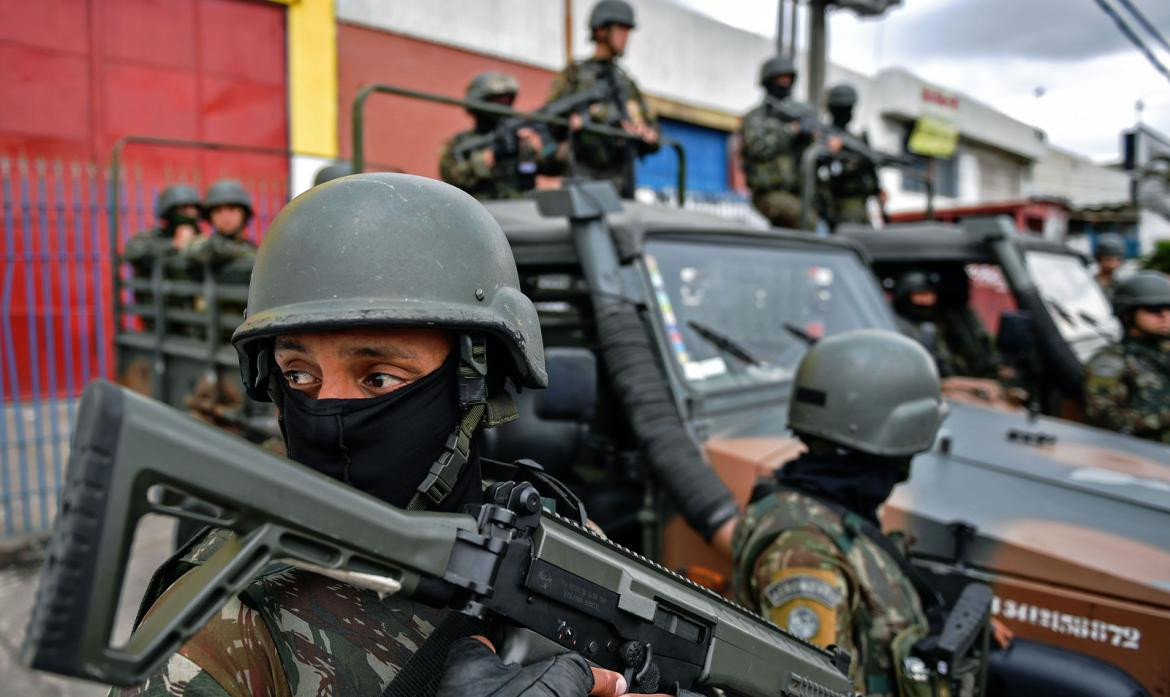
1066	522
986	266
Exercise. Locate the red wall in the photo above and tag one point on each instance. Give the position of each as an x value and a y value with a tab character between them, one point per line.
76	75
407	134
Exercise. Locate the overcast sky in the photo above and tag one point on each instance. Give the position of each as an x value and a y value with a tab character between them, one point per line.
1005	52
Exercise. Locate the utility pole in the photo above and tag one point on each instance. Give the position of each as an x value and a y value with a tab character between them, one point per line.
780	27
817	48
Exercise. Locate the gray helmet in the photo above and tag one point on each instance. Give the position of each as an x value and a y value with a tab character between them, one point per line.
775	66
227	192
330	172
382	249
174	196
1143	289
1109	245
491	84
841	96
870	390
609	12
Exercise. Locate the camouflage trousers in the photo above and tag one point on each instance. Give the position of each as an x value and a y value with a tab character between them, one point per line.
781	208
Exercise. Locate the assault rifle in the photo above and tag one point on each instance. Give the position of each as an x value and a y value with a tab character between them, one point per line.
788	111
503	140
513	564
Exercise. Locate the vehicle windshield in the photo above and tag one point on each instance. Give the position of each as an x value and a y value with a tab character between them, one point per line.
724	307
1075	301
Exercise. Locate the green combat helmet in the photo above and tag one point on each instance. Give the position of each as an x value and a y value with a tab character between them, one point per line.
174	196
228	192
870	390
774	67
1109	245
332	171
384	250
492	84
1143	289
841	96
609	12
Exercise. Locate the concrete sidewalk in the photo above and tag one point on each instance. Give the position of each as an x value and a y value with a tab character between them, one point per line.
18	585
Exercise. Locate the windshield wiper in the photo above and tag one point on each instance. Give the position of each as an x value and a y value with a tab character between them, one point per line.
725	343
799	333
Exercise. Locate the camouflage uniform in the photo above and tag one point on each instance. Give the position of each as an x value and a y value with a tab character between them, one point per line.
290	633
1127	388
503	180
770	150
230	257
852	180
957	342
142	252
815	574
597	156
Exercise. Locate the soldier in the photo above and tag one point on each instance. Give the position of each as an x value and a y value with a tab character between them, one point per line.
332	171
1127	385
952	334
852	177
228	208
596	156
384	373
772	143
508	167
157	250
1110	252
809	553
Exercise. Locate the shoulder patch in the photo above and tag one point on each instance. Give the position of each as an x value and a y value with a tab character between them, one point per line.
821	585
1107	365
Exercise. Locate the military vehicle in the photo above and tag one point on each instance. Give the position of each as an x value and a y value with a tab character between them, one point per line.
1041	288
672	337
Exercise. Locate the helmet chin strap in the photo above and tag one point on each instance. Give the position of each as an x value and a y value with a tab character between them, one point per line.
476	408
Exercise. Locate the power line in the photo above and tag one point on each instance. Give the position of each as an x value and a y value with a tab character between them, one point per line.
1145	23
1134	38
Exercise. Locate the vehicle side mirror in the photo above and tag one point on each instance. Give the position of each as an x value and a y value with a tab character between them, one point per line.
1017	331
572	386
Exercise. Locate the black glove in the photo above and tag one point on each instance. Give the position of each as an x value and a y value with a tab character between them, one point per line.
474	670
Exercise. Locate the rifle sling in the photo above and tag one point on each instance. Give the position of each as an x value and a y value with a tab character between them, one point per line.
421	675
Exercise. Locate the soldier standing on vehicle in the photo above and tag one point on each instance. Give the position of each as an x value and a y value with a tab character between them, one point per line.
771	146
597	156
852	177
228	207
508	167
1110	252
809	551
1127	385
177	211
384	373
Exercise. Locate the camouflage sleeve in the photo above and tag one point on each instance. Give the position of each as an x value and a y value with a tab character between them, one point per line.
466	173
234	655
565	83
764	138
1108	397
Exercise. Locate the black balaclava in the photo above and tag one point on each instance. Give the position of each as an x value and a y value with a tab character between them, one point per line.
841	116
173	220
858	481
382	445
778	91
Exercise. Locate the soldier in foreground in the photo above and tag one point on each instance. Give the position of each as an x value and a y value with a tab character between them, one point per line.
853	178
771	144
597	156
384	372
1127	385
1109	253
809	552
508	168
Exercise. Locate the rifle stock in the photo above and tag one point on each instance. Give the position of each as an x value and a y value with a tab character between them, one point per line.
514	564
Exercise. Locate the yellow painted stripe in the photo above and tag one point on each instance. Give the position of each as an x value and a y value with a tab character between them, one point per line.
312	77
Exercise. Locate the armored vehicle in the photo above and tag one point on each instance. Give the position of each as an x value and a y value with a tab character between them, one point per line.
1040	291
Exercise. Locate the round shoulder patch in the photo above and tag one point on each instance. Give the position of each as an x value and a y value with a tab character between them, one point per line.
806	601
1106	364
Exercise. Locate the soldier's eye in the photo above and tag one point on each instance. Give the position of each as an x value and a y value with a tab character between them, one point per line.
383	381
298	378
